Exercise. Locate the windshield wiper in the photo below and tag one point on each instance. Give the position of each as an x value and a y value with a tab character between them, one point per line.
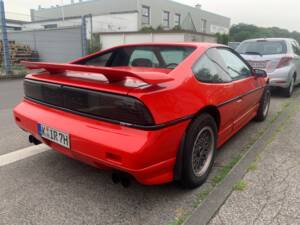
252	53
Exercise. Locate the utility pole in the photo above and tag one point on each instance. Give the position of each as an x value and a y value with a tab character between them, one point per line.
62	11
91	27
5	46
83	35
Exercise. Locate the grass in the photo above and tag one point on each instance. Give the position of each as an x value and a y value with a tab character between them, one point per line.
181	217
253	166
201	196
241	185
225	170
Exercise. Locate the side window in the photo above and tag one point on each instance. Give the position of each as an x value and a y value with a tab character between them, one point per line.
237	69
177	19
211	69
100	60
296	48
143	58
145	15
174	56
166	19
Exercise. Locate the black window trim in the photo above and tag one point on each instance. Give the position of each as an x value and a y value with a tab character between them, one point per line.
166	20
50	26
177	23
148	16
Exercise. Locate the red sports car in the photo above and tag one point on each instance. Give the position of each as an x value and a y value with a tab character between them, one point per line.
155	111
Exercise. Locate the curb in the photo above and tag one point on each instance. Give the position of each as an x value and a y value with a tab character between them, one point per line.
217	197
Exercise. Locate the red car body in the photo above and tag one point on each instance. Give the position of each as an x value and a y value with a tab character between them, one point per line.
174	97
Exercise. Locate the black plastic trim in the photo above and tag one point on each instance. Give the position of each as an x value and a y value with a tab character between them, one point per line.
239	97
141	127
88	90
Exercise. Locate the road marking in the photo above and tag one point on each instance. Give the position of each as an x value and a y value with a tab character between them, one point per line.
22	154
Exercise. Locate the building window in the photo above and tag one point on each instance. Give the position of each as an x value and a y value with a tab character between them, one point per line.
50	26
177	19
203	25
145	15
166	19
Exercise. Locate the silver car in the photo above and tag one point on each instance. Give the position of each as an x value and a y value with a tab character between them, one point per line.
279	57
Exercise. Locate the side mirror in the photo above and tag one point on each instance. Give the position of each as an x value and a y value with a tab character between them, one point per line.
259	73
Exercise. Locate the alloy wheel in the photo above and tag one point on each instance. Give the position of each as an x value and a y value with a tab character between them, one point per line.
203	151
292	86
266	103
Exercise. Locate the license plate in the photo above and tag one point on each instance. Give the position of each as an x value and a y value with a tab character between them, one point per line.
258	65
54	135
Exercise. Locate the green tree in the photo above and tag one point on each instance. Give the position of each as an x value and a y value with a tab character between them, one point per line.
222	38
241	32
94	45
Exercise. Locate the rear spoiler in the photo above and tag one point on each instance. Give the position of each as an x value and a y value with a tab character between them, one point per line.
110	73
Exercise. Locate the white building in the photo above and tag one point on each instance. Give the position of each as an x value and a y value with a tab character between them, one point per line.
129	15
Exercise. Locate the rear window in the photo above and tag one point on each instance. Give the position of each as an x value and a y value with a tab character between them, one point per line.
262	48
141	56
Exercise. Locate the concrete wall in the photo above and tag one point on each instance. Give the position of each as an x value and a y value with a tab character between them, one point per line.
57	45
191	37
109	40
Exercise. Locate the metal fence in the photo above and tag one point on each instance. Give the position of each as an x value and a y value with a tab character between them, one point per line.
55	45
61	44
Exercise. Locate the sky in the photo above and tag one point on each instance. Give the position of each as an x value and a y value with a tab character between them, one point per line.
266	13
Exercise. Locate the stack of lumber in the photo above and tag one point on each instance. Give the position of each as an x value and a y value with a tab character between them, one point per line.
19	52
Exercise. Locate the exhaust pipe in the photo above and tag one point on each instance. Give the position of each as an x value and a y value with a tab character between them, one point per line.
123	178
33	140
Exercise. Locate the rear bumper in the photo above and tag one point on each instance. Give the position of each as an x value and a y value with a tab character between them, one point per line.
148	155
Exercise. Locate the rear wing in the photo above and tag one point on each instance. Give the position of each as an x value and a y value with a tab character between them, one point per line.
112	75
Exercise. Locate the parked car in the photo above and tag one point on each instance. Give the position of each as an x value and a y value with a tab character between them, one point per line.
279	57
155	111
234	45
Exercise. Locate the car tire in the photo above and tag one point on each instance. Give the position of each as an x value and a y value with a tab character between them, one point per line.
288	92
199	151
264	105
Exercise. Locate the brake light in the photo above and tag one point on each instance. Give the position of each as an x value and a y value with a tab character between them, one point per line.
284	61
121	109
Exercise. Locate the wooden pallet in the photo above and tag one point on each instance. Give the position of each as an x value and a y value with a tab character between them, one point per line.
19	52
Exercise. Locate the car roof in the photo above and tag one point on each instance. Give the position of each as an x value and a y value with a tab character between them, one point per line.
187	44
269	39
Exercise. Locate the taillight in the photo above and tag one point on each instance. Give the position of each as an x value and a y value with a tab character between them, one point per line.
107	106
284	61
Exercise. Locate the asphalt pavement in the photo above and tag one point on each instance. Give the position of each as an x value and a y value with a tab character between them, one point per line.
49	188
11	137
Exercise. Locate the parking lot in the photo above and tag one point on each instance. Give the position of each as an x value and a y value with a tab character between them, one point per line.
49	188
